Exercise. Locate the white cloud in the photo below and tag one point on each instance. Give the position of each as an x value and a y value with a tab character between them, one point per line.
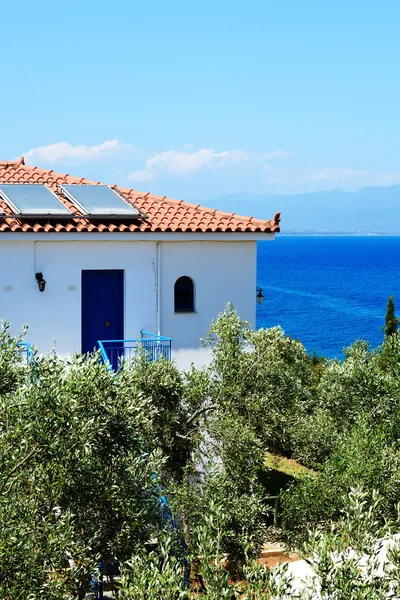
179	163
142	175
325	178
176	162
283	154
64	152
388	178
298	176
275	176
271	168
334	174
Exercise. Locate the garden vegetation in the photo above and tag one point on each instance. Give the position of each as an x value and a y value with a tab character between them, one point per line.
166	473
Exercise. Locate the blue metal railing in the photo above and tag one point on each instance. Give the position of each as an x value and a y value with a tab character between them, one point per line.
26	351
154	346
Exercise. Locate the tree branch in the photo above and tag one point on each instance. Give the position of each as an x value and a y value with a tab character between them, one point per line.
181	437
200	411
21	463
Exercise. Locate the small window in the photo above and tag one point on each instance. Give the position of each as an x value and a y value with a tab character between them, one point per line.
184	295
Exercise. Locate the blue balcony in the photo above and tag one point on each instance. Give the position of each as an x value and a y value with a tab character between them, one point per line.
114	352
26	352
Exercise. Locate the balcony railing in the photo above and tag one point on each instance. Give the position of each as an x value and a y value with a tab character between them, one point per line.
26	352
154	346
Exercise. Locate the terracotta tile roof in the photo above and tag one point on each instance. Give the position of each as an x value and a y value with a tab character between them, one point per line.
159	213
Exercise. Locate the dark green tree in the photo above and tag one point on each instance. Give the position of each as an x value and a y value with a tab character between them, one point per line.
391	320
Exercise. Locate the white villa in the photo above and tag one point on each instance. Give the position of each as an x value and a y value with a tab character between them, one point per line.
82	261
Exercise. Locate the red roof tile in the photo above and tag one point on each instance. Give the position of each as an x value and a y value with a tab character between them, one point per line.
159	212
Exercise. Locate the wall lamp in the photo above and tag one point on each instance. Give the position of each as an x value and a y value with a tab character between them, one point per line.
260	296
40	281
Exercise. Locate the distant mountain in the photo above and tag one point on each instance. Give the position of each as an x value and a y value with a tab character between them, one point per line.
370	209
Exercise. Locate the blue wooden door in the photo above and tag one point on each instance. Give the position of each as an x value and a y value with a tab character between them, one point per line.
102	308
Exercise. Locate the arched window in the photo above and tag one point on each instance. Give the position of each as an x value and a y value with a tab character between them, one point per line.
184	295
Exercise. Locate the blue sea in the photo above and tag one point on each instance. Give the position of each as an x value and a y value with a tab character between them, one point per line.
328	291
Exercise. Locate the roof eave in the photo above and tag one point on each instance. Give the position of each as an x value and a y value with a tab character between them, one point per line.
136	236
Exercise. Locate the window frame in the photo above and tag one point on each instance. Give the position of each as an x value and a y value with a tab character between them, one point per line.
192	308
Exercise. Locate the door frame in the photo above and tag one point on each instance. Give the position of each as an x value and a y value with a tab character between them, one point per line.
121	307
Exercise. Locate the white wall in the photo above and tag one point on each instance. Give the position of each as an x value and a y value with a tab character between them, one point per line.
222	271
55	314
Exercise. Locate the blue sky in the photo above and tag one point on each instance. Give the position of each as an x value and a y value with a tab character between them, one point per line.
197	99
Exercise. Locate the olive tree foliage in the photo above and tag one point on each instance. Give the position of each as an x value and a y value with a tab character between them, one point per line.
263	392
354	386
357	557
85	455
245	402
361	397
361	458
160	575
263	375
11	369
75	484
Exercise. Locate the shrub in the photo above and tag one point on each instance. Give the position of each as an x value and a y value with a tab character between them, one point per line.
313	438
74	484
364	458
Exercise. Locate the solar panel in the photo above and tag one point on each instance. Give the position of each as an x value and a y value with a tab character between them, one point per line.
32	199
99	200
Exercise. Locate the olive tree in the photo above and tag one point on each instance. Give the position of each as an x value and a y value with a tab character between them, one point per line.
76	485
